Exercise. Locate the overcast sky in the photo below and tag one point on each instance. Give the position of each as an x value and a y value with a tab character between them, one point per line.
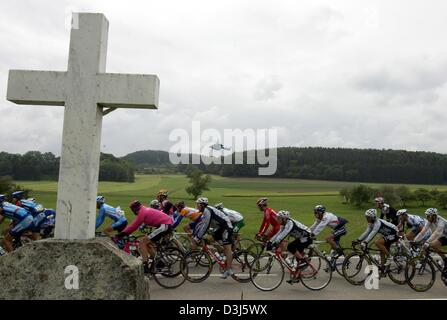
366	74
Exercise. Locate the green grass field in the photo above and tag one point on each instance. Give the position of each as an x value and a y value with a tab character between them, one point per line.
297	196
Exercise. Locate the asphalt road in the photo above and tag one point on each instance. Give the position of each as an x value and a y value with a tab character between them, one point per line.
215	288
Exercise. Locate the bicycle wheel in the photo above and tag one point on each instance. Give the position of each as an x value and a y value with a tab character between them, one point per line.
166	268
242	259
244	243
420	274
196	266
317	274
337	262
354	268
256	249
185	241
266	272
396	270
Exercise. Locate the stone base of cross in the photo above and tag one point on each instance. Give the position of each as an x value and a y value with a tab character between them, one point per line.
88	93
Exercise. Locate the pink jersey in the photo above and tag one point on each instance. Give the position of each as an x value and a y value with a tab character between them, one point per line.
150	217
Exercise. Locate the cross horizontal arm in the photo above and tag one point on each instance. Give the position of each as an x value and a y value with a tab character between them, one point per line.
36	87
117	90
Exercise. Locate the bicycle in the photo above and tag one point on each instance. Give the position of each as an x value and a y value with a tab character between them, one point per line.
420	271
335	259
355	263
268	270
165	266
198	264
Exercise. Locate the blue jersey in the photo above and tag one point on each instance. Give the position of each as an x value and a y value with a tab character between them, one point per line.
110	212
13	212
32	207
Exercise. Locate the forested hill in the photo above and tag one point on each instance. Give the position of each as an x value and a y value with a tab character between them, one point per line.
361	165
366	165
35	165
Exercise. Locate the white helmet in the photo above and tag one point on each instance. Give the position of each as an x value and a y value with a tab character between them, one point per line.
154	204
202	201
283	214
401	212
372	213
431	211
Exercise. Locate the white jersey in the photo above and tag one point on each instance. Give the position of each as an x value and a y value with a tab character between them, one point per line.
438	228
383	227
329	219
293	228
234	216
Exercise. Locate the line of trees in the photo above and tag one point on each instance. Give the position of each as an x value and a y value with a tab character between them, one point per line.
35	165
400	196
337	164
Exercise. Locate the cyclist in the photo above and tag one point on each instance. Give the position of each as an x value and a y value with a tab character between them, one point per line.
17	196
153	218
269	219
297	230
186	212
386	211
23	221
337	224
388	230
413	222
224	231
39	214
116	214
165	205
438	238
236	218
155	204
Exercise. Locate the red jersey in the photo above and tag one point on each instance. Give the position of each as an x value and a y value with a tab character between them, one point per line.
269	219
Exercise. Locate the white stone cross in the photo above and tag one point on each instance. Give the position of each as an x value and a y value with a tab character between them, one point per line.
85	89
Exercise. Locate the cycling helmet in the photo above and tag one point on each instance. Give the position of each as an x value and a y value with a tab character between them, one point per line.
431	211
283	214
379	200
135	206
372	213
219	206
180	205
261	201
202	201
100	199
18	194
320	209
402	212
154	204
162	192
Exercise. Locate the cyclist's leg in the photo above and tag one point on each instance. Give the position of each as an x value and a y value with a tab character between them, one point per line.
381	244
410	235
118	226
437	245
335	239
155	236
17	231
227	242
296	249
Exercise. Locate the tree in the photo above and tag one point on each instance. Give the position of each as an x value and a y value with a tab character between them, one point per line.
422	195
346	194
198	182
361	194
404	194
441	199
389	194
